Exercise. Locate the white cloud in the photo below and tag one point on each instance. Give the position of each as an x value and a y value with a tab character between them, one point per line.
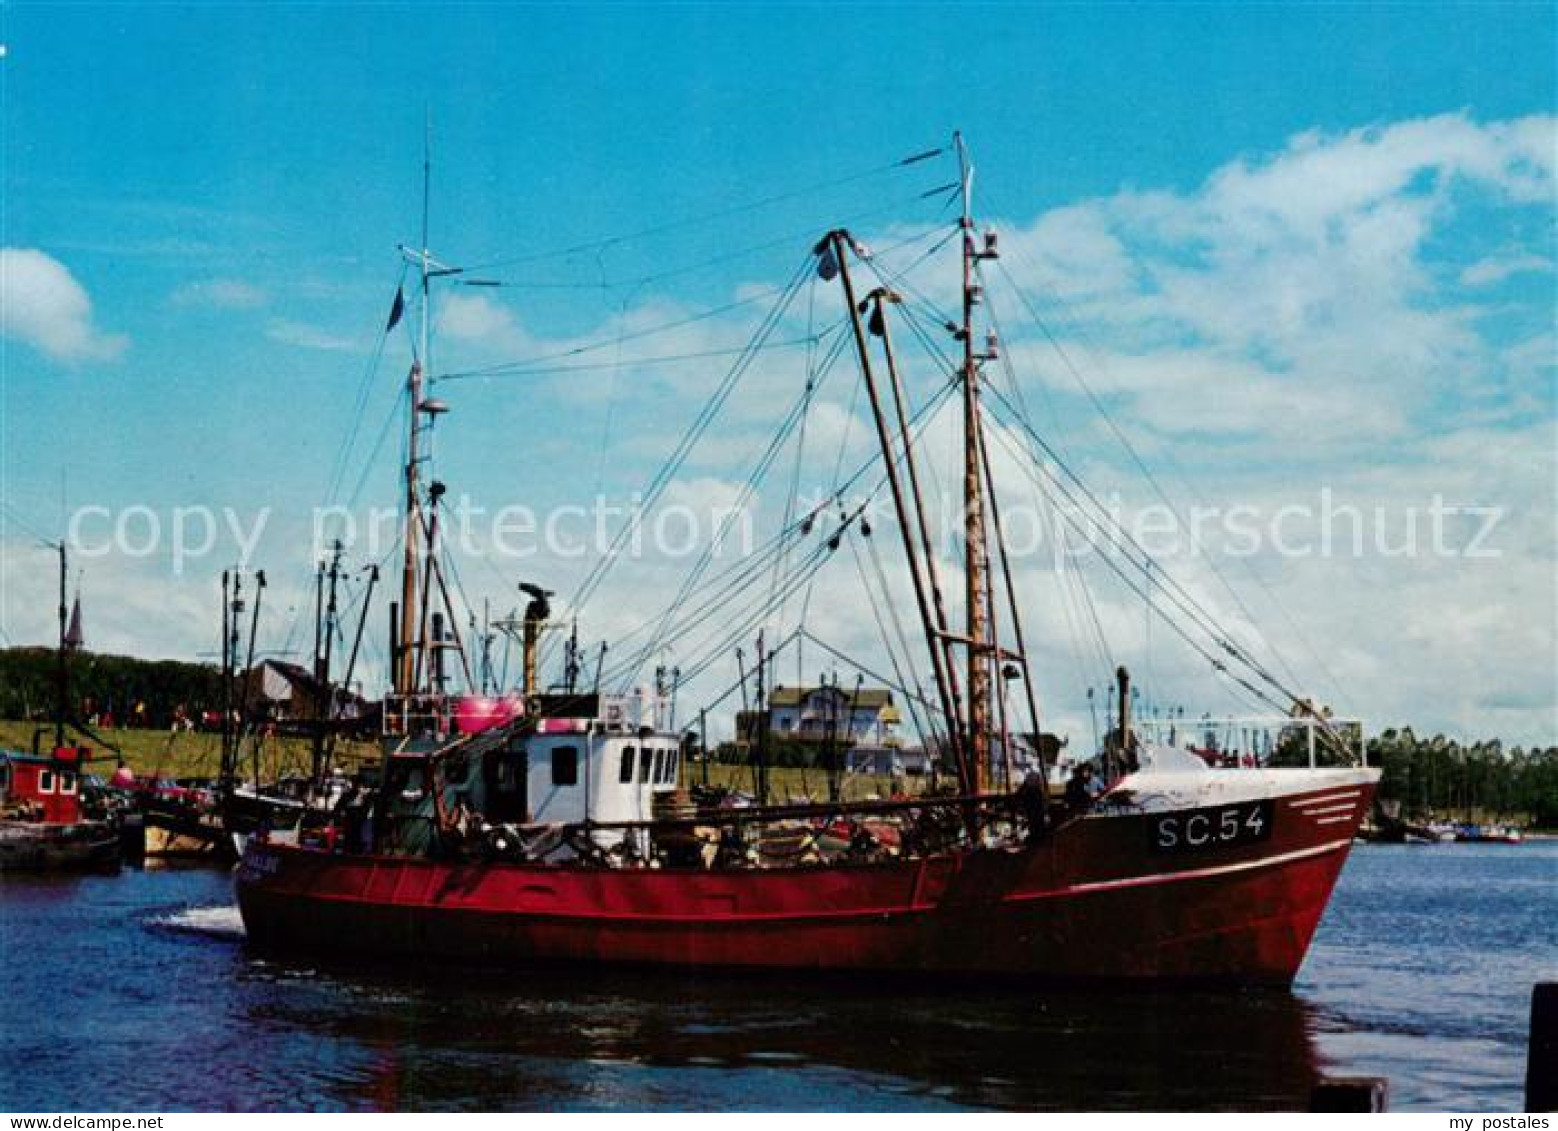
42	304
220	294
293	333
1309	286
478	320
1496	268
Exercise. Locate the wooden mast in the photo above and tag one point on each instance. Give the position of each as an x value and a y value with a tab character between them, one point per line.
974	545
409	638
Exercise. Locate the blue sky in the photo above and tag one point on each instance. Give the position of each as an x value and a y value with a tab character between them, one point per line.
205	203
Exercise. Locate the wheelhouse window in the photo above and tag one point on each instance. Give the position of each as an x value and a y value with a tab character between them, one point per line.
659	765
670	765
45	781
565	765
625	774
645	758
67	783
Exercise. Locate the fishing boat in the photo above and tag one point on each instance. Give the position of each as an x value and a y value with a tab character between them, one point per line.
44	825
1487	834
556	824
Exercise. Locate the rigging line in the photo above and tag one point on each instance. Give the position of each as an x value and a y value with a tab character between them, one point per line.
900	280
384	430
921	419
735	575
793	419
1112	543
722	589
733	627
894	277
759	611
811	372
706	217
732	688
1009	370
1125	543
1217	664
360	403
930	708
745	626
800	441
591	347
611	392
18	519
722	607
683	448
527	365
633	362
849	420
1075	630
896	621
1075	591
789	239
1142	467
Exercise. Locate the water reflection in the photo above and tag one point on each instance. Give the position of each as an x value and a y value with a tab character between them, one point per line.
555	1038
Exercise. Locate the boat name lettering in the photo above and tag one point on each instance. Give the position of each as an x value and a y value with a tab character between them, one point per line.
1196	829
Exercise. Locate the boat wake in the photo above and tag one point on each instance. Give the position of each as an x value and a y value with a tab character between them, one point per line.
222	922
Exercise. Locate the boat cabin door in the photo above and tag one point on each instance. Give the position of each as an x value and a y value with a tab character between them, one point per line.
508	779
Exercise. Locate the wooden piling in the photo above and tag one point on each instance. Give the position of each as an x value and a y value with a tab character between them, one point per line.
1542	1052
1341	1094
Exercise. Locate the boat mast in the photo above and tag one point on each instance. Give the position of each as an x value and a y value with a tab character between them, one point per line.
62	707
975	550
420	533
410	641
838	245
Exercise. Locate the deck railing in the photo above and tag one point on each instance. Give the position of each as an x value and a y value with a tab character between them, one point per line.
1261	741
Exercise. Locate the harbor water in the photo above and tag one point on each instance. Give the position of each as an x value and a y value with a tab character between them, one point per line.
137	992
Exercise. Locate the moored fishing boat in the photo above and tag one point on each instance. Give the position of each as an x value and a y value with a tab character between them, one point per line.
43	827
560	828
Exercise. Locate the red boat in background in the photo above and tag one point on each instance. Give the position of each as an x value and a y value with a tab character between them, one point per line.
43	824
559	828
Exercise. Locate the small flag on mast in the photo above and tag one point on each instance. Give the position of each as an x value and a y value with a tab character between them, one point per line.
397	309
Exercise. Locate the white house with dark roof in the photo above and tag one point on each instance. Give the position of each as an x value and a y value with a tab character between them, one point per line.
867	717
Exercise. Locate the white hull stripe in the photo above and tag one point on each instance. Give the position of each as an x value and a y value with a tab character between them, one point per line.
1326	810
1192	874
1322	798
1333	820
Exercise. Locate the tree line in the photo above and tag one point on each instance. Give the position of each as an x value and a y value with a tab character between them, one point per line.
1445	778
121	689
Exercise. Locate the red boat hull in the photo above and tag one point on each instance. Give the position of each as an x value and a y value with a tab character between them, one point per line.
1088	902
